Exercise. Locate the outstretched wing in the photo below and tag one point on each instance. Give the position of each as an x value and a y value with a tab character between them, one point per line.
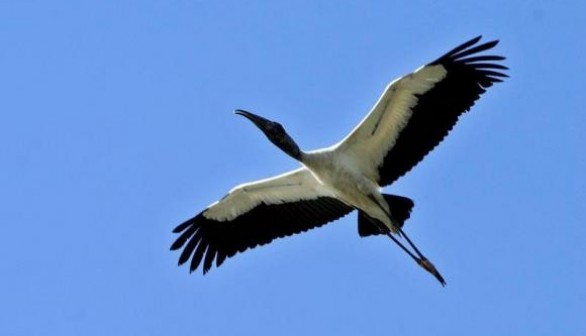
416	111
255	214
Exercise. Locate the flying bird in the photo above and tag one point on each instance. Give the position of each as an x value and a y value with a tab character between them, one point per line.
413	115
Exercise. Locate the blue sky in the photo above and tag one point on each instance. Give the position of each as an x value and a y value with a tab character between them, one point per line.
116	124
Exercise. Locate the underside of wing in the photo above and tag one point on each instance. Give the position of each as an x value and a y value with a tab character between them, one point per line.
255	214
417	111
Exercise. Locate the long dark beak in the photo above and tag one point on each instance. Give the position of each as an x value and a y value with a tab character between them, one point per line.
275	133
257	120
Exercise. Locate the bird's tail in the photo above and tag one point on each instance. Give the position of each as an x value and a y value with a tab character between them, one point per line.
400	208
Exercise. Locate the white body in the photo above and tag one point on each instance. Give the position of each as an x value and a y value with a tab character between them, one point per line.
412	116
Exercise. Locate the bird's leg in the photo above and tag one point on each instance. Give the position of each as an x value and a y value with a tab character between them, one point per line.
417	260
422	260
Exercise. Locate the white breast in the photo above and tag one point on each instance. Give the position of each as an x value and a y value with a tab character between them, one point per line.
339	173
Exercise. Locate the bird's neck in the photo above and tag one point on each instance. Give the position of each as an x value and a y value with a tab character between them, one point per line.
291	149
287	145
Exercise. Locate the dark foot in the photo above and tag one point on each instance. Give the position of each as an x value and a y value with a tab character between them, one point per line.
428	266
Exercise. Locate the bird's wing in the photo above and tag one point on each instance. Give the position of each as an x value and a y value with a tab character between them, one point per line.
254	214
416	111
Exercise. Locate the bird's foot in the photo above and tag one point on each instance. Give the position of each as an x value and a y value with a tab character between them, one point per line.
428	266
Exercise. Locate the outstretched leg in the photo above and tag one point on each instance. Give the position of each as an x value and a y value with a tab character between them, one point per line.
419	258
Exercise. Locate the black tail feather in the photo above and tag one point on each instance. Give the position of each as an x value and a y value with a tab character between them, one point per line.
400	208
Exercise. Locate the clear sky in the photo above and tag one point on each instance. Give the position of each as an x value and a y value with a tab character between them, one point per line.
116	124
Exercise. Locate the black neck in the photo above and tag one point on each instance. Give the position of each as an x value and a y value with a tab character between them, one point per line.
287	145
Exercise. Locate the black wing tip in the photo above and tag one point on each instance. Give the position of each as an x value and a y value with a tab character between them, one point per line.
190	240
176	245
467	48
461	47
196	247
472	41
204	272
181	227
467	58
187	229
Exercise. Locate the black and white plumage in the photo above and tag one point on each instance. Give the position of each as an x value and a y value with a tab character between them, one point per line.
413	115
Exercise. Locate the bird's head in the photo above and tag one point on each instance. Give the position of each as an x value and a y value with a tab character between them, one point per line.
275	132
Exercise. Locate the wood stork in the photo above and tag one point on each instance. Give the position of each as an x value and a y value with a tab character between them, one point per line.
413	115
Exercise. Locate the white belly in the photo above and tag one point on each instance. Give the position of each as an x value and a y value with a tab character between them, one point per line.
351	186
